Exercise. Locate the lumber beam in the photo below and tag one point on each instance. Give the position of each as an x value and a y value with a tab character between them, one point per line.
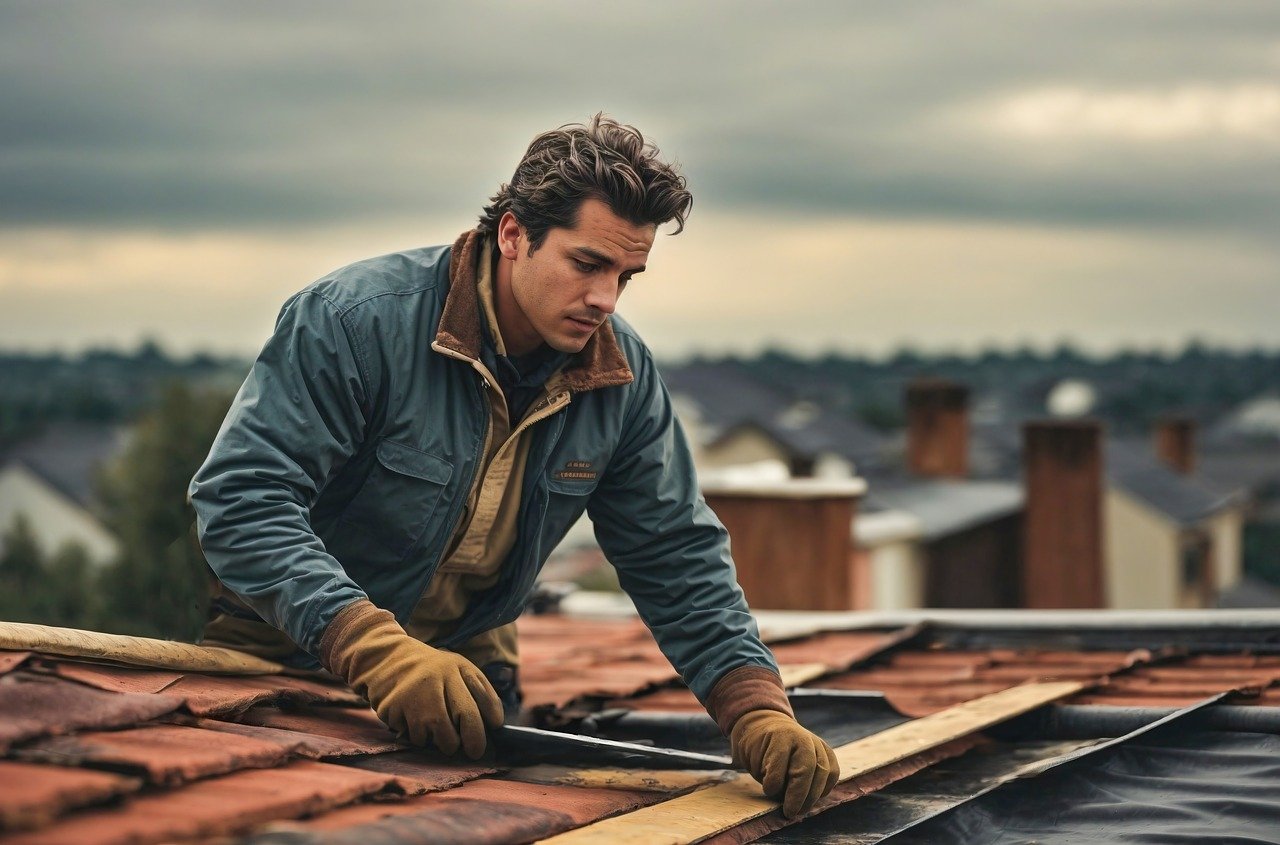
132	651
698	815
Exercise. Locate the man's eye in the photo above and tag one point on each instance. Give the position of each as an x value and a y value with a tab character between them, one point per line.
585	266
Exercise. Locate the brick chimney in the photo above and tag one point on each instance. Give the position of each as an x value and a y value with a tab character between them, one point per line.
1176	443
792	541
938	428
1063	540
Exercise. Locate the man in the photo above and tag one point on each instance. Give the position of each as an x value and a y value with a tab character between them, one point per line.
423	428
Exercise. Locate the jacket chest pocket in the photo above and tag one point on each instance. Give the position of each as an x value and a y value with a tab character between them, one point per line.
566	503
398	501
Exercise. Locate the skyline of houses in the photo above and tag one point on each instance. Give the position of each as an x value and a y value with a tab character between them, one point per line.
950	536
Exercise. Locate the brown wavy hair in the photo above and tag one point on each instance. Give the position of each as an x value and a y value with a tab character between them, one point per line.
602	159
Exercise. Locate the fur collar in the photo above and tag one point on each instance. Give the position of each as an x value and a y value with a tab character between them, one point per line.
599	364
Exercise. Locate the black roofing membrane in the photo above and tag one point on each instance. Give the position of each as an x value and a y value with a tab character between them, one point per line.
838	716
1168	786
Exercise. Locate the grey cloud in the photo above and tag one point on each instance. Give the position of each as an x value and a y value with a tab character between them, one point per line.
238	114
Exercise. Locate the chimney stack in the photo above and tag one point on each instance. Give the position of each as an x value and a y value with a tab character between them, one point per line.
938	428
1063	554
1176	443
792	541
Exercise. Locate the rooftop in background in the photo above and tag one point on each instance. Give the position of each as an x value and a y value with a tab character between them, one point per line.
946	506
1130	465
729	398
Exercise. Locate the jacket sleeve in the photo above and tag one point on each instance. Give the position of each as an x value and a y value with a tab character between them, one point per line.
297	418
670	550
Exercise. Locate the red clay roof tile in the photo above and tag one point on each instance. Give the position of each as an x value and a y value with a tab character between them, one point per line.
223	805
32	795
36	706
164	754
836	649
295	743
417	774
439	822
487	810
358	727
112	678
10	660
679	699
209	695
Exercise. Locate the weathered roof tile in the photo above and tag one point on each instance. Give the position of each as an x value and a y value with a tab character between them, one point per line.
417	774
224	805
36	706
296	743
360	728
113	678
10	660
32	795
488	810
164	754
208	695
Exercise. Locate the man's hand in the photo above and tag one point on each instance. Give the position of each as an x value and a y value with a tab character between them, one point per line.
424	694
790	762
750	705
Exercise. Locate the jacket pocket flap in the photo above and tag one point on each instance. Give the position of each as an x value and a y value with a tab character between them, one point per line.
572	486
410	461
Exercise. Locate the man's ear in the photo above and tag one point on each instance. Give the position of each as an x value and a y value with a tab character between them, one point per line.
510	236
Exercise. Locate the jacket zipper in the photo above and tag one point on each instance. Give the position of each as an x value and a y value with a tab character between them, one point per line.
465	631
477	477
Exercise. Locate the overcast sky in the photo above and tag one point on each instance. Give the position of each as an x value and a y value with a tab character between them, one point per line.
950	175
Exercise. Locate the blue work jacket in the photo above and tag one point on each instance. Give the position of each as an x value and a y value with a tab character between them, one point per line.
342	469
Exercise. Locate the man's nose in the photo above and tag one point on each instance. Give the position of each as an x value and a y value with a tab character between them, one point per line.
603	295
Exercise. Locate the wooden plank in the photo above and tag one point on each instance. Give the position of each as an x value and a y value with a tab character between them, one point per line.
690	818
795	674
131	651
645	780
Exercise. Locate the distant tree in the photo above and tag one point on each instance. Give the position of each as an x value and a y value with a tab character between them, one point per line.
22	584
157	587
907	358
71	594
51	591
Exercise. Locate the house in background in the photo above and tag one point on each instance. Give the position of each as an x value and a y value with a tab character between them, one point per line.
1154	512
966	549
50	479
942	521
732	419
939	543
1170	537
1242	452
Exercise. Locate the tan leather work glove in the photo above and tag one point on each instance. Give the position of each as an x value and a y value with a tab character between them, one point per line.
792	764
424	694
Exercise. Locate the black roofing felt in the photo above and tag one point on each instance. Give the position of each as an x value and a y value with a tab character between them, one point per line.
838	716
1199	787
1171	778
1194	788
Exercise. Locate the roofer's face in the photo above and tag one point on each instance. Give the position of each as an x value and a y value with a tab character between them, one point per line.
571	283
